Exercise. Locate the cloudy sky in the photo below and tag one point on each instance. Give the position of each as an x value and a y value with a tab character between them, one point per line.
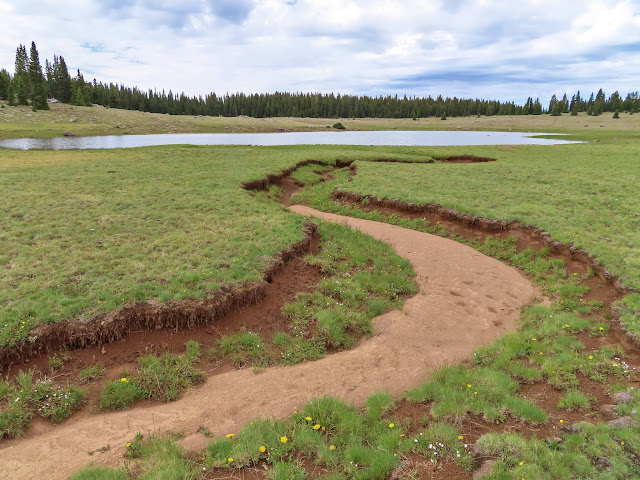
467	48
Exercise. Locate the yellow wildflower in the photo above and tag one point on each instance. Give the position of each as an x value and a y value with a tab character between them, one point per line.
332	447
263	449
316	426
284	439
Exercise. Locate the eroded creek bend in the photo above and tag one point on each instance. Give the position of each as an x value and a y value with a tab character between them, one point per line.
465	300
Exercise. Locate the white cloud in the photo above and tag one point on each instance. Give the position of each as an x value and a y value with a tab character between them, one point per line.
468	48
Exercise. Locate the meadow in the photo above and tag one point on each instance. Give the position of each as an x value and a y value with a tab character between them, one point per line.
86	233
16	122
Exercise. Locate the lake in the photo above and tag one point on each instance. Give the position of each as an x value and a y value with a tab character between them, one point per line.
382	138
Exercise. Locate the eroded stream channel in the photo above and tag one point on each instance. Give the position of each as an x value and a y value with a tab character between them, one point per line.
465	300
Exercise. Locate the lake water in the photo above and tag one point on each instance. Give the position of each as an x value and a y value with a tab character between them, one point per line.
387	137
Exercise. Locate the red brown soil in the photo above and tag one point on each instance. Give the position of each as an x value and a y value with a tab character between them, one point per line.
465	159
472	228
264	318
466	299
464	305
149	316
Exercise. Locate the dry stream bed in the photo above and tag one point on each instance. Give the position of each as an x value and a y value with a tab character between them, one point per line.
465	300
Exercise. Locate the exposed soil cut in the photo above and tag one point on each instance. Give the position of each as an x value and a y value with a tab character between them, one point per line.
149	316
396	160
264	317
466	299
465	159
476	228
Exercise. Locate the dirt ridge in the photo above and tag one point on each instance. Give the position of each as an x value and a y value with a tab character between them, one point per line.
465	159
468	300
150	315
277	178
487	225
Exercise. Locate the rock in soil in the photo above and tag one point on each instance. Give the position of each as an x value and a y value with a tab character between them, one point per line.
622	397
622	422
608	412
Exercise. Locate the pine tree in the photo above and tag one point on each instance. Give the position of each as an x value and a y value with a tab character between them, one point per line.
38	86
564	103
78	98
50	77
574	109
5	80
21	68
579	101
63	80
114	98
11	95
21	91
537	107
87	94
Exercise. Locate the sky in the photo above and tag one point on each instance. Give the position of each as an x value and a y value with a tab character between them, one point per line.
486	49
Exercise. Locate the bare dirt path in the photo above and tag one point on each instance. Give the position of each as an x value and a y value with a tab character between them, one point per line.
466	299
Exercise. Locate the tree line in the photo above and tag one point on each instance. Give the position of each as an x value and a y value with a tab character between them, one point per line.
30	86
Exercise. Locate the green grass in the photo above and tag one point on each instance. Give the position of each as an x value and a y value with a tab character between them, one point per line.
26	397
119	394
246	348
335	435
455	391
91	373
153	459
629	310
163	378
309	174
587	199
23	122
592	451
84	233
189	209
573	400
364	278
369	443
441	440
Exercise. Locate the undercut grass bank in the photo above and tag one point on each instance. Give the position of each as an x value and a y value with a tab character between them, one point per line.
85	233
585	195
